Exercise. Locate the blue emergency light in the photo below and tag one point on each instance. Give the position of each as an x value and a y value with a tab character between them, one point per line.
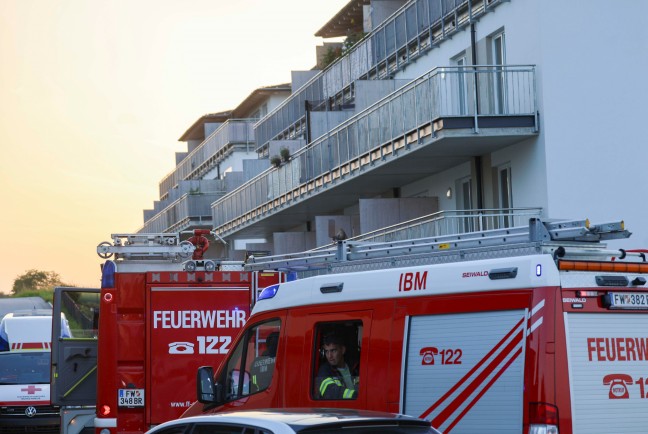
108	275
268	292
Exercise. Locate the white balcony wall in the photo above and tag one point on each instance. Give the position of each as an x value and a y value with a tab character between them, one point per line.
323	122
300	78
210	127
379	213
587	81
234	161
371	91
380	10
335	222
253	167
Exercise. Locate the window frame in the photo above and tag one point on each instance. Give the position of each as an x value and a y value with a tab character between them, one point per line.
320	329
243	364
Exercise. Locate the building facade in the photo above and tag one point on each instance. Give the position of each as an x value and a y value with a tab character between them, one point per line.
445	116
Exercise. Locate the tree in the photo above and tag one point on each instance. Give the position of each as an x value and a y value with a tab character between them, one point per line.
36	280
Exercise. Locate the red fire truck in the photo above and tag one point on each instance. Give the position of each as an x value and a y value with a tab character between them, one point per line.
535	330
162	311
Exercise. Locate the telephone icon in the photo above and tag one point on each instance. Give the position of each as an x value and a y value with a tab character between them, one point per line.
618	385
181	348
428	354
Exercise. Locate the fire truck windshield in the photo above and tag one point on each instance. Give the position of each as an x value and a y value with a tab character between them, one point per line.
23	368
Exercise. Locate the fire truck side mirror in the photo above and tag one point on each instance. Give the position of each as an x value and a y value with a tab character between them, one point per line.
207	392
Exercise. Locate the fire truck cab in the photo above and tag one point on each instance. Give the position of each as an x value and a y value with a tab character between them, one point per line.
162	312
534	330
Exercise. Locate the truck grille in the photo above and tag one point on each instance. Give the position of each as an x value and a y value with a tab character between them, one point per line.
19	410
13	420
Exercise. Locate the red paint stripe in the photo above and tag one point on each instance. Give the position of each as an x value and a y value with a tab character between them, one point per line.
33	345
22	403
454	405
483	391
473	370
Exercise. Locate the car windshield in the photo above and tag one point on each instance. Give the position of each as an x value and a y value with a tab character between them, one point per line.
23	368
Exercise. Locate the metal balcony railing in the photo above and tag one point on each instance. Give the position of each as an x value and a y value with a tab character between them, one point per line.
453	228
408	33
403	119
453	222
232	134
188	210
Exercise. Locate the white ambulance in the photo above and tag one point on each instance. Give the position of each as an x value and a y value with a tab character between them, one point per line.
25	356
529	330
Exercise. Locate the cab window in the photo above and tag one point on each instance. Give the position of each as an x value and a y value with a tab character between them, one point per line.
251	366
336	364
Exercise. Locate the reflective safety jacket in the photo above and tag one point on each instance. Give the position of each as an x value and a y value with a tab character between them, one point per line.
330	383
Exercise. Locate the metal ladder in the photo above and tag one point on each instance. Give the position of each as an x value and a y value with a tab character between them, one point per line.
146	246
574	238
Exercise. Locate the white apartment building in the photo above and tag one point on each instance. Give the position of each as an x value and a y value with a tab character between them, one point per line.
447	116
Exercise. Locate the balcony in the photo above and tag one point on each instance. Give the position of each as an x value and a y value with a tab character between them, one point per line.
234	134
190	211
453	222
411	32
429	125
447	227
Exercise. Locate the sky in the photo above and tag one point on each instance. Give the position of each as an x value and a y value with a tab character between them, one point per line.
94	95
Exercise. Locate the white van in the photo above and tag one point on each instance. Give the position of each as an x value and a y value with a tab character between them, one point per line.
25	357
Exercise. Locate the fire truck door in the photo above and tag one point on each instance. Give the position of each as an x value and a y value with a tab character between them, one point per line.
188	327
463	369
74	346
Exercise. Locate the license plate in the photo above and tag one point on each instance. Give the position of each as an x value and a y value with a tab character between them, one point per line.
628	300
130	397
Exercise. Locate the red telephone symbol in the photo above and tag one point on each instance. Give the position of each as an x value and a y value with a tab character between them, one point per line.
618	385
428	354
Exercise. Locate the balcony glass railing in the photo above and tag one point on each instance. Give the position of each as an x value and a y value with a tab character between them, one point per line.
440	227
402	119
211	151
453	222
408	33
188	210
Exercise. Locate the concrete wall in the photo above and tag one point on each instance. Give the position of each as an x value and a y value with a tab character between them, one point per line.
211	127
252	167
590	88
588	108
370	91
234	161
379	213
380	10
324	224
179	156
274	147
323	122
275	100
233	180
288	242
300	78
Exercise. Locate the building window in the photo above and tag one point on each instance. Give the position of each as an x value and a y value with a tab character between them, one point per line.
464	202
499	78
505	195
462	87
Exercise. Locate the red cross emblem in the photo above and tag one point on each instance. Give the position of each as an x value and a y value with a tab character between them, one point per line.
31	390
